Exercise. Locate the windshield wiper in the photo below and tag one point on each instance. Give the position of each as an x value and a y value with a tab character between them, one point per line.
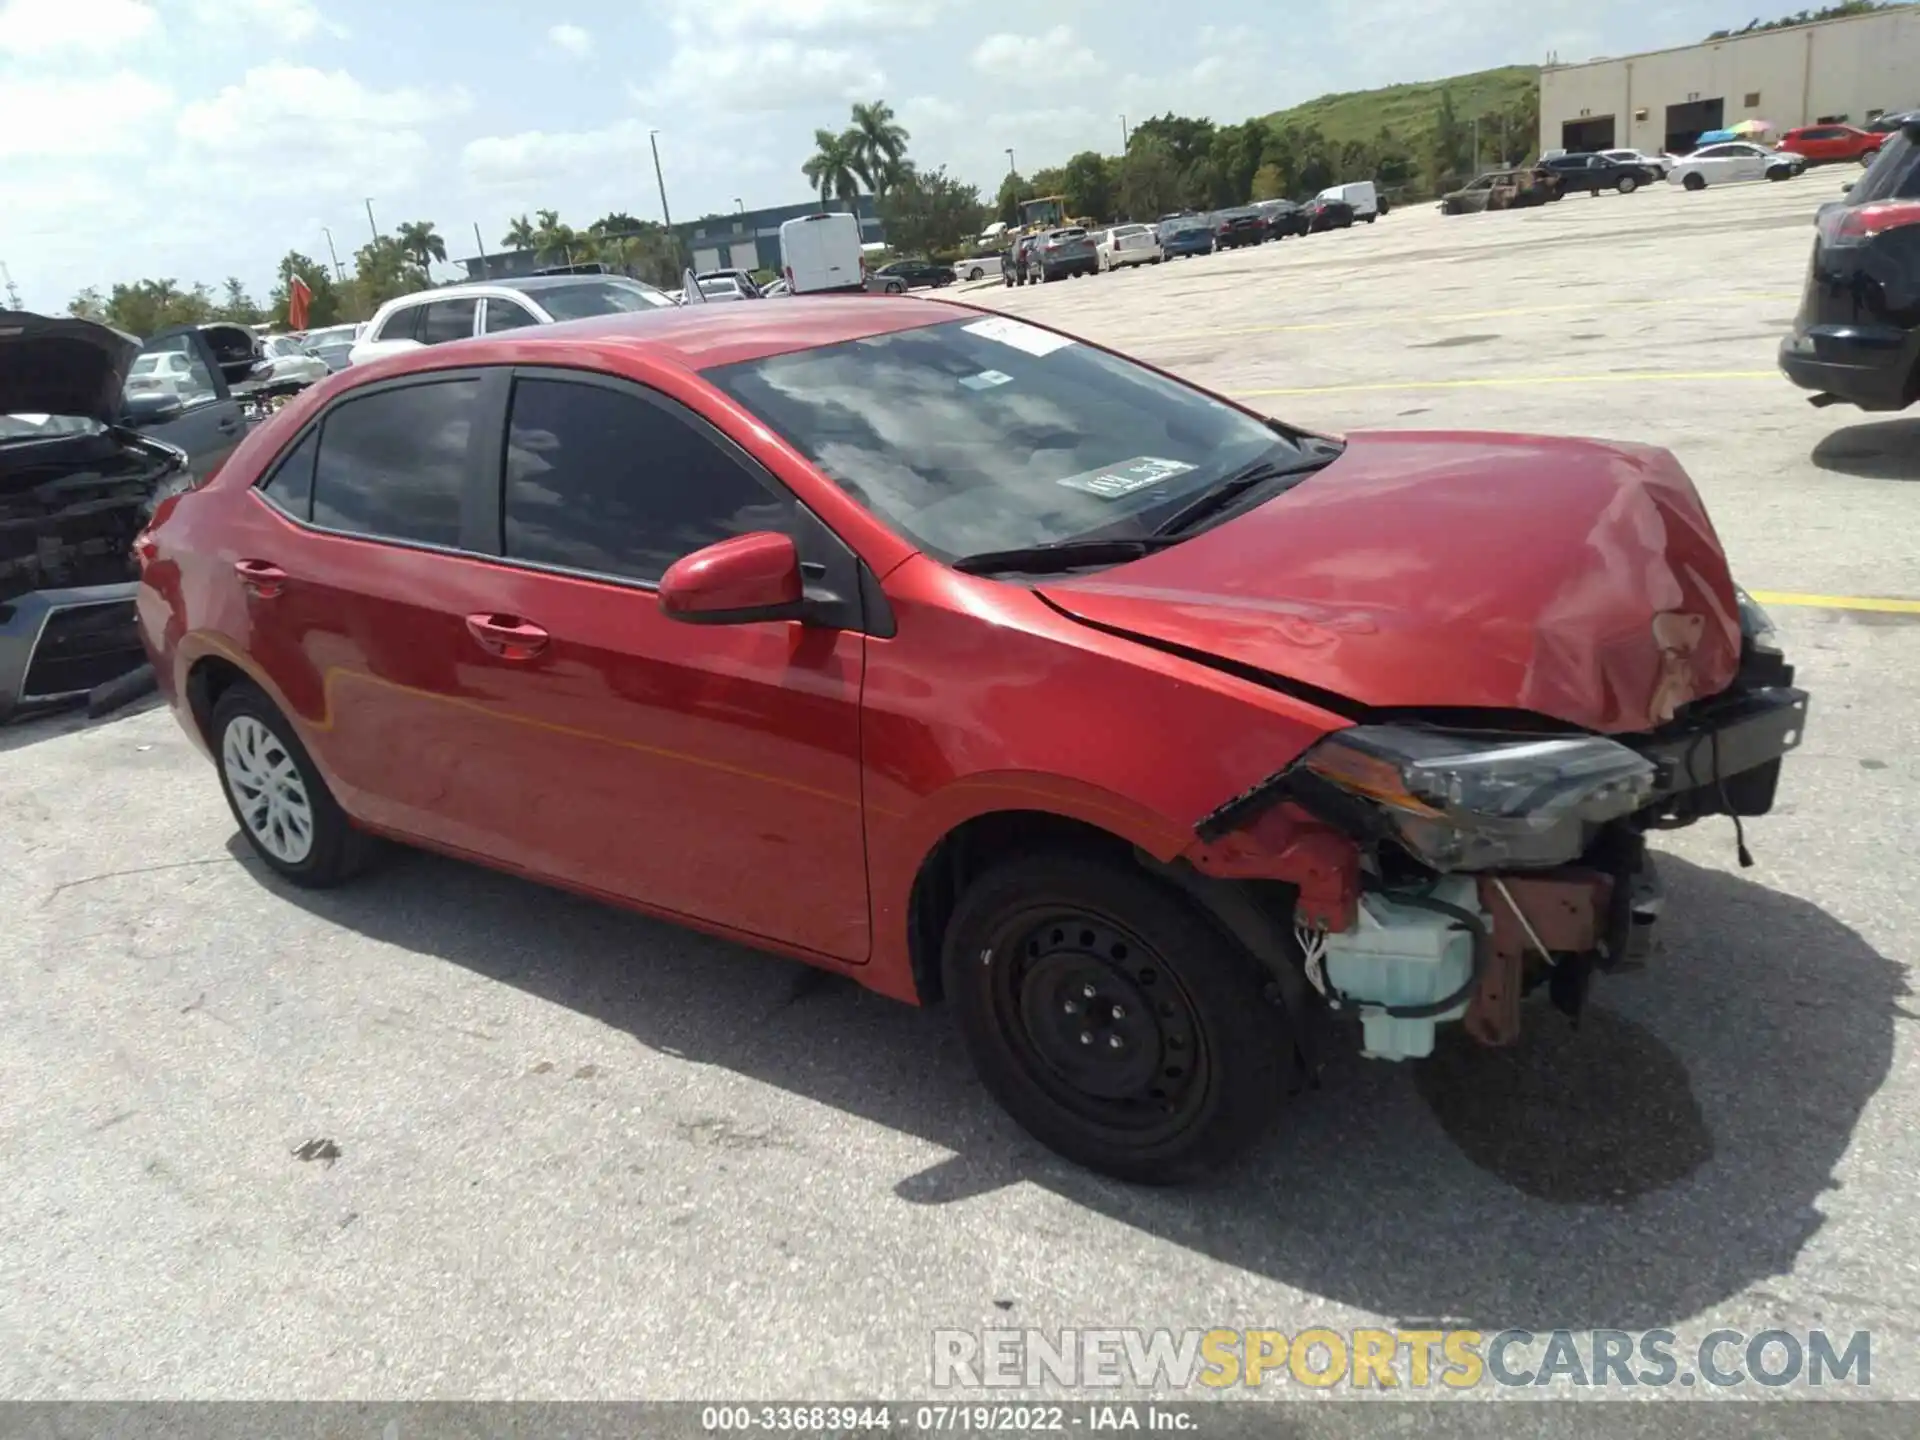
1062	555
1225	492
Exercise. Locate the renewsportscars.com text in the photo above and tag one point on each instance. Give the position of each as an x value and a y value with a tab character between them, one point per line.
1368	1359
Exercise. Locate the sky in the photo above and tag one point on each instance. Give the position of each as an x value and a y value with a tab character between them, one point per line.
197	139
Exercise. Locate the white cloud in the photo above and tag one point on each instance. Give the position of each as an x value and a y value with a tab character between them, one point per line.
732	19
105	116
762	77
570	40
292	128
1037	60
290	22
38	28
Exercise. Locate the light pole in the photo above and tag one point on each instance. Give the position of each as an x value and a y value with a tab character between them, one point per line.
333	254
660	179
740	204
1123	134
1010	169
370	223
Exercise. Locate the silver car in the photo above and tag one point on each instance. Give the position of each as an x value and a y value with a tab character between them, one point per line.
1060	253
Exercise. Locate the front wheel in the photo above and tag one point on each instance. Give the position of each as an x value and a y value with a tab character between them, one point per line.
1112	1020
1694	181
277	795
974	273
1778	173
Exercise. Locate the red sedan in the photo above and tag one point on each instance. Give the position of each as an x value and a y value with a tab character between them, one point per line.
1167	743
1826	144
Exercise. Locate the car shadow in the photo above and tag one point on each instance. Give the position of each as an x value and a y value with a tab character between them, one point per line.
1666	1154
30	727
1884	450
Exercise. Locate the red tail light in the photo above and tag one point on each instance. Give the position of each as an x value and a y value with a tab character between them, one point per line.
1863	222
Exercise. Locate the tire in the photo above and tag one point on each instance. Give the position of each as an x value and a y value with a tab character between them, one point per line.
1627	185
1694	181
261	761
1777	173
1032	936
896	288
1372	218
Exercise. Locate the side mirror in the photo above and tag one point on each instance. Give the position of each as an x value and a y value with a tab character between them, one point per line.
151	409
736	582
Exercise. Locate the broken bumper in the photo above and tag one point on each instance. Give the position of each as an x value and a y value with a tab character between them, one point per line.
58	646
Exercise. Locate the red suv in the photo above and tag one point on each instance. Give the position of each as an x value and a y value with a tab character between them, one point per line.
1166	742
1825	144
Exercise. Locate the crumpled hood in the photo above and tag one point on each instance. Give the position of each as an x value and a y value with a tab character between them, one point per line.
62	366
1574	579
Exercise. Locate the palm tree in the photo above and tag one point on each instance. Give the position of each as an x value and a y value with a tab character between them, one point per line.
881	141
520	235
557	243
420	240
836	167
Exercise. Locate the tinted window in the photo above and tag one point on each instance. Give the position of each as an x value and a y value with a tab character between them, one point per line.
989	434
176	369
448	320
290	486
394	463
401	324
606	482
598	297
506	315
1893	175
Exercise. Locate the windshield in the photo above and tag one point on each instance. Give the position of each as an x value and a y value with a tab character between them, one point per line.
43	427
598	297
145	365
989	434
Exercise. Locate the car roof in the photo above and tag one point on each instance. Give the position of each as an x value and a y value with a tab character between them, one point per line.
696	337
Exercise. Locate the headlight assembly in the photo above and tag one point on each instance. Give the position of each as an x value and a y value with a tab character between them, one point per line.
1467	802
1756	626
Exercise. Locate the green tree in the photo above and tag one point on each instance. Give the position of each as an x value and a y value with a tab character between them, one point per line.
1236	154
557	243
236	305
1186	140
639	248
382	271
89	304
1088	183
1149	183
929	211
148	306
619	222
881	142
1447	161
422	243
1050	181
836	167
520	235
327	307
1014	188
1269	184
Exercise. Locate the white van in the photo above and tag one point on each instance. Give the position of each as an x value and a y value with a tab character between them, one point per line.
1361	195
821	254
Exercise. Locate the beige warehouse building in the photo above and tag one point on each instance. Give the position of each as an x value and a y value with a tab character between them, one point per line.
1835	71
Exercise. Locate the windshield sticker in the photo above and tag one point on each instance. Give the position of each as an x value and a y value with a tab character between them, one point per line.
1030	338
1111	482
986	380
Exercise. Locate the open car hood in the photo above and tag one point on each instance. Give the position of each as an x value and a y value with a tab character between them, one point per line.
62	366
1573	579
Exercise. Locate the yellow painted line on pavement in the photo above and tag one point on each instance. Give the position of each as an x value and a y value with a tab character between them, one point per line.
1448	317
1477	382
1790	599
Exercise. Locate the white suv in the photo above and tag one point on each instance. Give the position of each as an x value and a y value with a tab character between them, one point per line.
457	312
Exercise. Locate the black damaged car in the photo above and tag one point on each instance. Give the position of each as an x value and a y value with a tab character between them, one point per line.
88	447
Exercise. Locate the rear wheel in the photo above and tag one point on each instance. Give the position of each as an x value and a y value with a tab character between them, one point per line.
1112	1020
1627	185
1694	181
278	797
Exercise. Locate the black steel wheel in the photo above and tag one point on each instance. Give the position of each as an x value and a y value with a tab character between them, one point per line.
1112	1019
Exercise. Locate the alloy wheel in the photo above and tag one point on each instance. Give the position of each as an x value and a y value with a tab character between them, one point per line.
268	790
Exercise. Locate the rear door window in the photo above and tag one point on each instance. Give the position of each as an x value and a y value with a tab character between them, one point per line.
289	489
507	315
448	320
393	464
402	324
1893	175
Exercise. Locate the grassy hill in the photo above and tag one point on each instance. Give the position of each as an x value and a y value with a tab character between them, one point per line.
1407	110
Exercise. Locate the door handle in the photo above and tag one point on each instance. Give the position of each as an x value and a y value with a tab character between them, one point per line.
260	577
507	636
227	424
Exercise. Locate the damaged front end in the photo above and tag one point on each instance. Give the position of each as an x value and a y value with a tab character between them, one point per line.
1441	872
